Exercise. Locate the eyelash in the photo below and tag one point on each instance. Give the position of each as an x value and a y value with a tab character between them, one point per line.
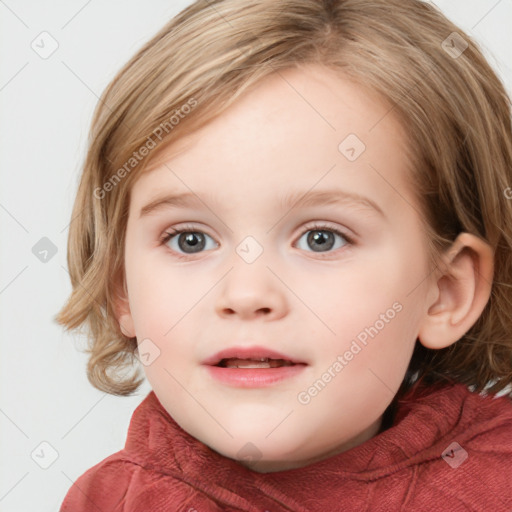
166	236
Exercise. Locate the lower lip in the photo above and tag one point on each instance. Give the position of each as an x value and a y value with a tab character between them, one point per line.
254	377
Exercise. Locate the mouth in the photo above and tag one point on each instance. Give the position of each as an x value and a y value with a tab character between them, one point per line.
263	362
252	367
251	357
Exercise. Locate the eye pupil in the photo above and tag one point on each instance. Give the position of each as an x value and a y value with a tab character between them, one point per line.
194	240
324	239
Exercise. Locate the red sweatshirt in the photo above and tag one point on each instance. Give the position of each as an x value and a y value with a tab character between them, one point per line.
450	450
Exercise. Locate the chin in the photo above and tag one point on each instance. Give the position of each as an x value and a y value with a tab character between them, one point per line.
263	466
258	453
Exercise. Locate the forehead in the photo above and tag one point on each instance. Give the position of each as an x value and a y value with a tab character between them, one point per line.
306	126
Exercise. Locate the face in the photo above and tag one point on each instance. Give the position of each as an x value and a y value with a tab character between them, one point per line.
277	302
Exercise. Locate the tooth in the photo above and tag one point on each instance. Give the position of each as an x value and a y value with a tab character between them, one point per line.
247	364
263	362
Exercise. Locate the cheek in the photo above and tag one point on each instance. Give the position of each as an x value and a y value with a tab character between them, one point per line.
364	368
355	296
160	292
375	318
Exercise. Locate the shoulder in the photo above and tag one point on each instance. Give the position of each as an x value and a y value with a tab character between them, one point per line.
456	410
470	465
487	422
121	484
483	428
102	487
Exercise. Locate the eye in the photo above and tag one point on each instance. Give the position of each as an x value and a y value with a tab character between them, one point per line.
318	238
188	241
323	239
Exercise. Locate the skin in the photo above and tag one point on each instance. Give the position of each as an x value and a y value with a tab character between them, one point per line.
308	304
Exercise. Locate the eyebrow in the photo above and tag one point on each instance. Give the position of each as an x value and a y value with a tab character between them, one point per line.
291	200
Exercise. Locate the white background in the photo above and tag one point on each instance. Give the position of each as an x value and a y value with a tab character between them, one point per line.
46	107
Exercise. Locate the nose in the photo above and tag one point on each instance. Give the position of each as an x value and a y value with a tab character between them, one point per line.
251	291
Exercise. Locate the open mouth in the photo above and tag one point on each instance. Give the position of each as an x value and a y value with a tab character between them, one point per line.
261	362
253	367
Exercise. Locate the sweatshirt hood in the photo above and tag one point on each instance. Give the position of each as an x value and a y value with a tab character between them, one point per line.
425	425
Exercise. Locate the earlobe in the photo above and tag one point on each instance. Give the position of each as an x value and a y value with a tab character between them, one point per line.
122	312
126	325
463	289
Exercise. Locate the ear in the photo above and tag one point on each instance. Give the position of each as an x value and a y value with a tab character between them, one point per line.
462	290
122	308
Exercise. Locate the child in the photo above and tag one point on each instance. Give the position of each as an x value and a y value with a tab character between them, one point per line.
336	334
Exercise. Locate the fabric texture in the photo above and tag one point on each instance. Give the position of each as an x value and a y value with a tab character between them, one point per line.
448	449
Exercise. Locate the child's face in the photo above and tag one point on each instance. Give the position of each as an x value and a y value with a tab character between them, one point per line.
309	295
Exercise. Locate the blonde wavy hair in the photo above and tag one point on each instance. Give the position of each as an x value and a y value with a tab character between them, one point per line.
455	109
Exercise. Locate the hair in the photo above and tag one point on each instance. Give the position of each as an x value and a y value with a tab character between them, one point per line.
453	106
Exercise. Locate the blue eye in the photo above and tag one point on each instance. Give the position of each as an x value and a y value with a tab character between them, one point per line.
324	239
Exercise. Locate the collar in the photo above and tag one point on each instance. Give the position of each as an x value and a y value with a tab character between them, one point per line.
425	424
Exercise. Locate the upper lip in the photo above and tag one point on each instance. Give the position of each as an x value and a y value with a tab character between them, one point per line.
253	352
